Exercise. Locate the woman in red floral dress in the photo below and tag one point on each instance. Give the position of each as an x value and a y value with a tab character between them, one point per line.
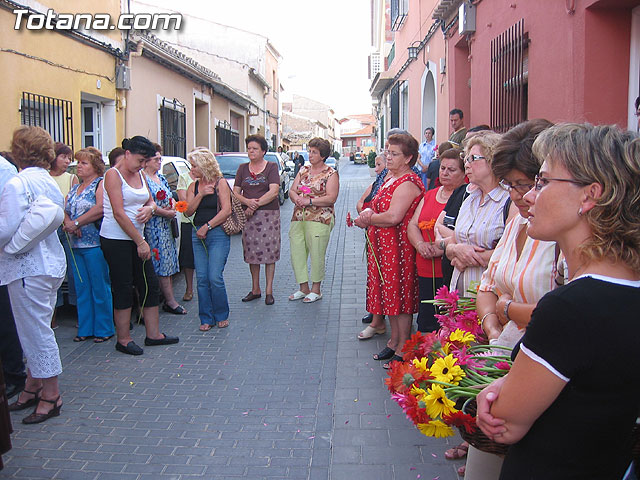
392	282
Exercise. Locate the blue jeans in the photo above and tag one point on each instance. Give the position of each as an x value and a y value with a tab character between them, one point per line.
213	305
95	304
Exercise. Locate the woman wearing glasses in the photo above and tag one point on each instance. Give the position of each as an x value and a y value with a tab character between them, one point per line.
521	269
482	216
559	401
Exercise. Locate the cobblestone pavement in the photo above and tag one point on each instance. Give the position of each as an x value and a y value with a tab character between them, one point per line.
287	391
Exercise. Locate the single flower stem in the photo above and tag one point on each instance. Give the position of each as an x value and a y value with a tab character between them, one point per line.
146	291
194	227
74	257
366	234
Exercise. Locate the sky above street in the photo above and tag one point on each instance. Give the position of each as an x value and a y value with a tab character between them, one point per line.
324	45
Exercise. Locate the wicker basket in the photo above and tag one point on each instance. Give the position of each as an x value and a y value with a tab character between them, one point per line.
478	439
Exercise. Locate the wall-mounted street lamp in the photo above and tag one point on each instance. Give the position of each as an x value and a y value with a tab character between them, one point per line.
413	50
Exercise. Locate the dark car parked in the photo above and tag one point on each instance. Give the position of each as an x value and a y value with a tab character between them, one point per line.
230	161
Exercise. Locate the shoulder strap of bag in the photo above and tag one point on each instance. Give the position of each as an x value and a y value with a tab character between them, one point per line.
505	210
27	192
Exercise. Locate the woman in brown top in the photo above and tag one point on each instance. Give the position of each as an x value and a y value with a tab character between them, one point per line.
314	192
256	186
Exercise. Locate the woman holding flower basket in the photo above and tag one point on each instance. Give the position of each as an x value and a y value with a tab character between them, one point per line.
422	236
392	284
158	233
560	407
314	192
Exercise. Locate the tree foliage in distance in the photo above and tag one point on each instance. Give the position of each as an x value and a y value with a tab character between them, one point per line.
371	159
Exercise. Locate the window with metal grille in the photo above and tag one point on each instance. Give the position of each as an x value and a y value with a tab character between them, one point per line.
509	78
395	106
399	10
173	126
228	140
52	114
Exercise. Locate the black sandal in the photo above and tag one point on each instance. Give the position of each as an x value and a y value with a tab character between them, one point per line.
41	417
179	310
18	405
78	338
102	339
385	354
395	358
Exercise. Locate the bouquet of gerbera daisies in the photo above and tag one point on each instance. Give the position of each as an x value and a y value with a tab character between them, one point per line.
443	371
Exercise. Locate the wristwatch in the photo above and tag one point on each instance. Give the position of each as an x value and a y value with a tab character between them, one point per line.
442	245
310	202
209	227
506	309
76	223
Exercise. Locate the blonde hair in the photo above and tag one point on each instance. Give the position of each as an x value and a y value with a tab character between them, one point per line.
33	147
95	158
206	161
611	158
487	140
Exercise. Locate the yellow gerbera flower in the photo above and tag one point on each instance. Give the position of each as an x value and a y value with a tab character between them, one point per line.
419	393
446	370
462	336
421	364
437	402
435	428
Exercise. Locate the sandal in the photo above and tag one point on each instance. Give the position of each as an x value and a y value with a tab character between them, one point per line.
41	417
395	358
458	452
102	339
299	295
205	327
461	470
18	405
179	310
223	324
385	354
312	297
370	332
78	338
187	297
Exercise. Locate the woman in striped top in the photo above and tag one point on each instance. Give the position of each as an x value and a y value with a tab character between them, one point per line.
481	220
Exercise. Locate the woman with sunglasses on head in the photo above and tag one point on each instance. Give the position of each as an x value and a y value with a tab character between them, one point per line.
128	205
521	269
559	407
482	216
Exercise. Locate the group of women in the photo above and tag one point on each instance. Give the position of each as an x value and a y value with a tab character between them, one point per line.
542	200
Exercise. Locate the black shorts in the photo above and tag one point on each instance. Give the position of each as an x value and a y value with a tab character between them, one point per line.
125	271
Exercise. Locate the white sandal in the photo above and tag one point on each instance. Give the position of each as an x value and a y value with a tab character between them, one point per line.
299	295
369	332
312	297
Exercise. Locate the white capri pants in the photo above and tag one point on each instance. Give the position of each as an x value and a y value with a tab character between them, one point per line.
32	301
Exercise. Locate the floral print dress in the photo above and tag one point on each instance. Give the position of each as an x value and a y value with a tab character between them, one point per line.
157	231
395	255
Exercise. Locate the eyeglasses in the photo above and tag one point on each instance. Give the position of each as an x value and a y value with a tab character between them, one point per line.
542	182
521	188
389	153
471	158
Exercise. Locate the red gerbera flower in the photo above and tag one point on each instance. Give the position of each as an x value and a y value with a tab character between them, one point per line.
461	419
161	195
349	221
156	253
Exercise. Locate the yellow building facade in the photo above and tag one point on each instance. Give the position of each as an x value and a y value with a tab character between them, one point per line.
64	81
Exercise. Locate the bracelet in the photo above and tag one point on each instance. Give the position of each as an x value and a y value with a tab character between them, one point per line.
485	316
153	209
506	309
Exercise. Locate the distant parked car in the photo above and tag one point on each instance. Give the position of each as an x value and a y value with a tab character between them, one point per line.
230	161
360	158
172	168
331	161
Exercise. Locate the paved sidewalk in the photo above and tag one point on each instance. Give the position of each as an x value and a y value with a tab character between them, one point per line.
287	391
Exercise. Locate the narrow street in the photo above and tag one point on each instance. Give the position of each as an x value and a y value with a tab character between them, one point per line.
287	391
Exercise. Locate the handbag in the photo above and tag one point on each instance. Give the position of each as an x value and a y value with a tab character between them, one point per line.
41	219
235	223
175	228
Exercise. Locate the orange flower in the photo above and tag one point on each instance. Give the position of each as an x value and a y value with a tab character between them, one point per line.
181	206
427	225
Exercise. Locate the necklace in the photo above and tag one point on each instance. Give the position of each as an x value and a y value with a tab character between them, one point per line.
253	174
441	196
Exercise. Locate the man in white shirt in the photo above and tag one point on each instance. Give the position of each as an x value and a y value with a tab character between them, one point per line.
427	152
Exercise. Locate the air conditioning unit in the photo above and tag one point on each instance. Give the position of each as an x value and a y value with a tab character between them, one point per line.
466	19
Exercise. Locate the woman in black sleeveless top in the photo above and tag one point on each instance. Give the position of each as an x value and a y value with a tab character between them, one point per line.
209	198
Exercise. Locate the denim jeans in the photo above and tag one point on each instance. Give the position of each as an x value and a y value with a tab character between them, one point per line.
213	305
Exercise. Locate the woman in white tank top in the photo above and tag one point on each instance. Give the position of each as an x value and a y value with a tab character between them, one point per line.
128	205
